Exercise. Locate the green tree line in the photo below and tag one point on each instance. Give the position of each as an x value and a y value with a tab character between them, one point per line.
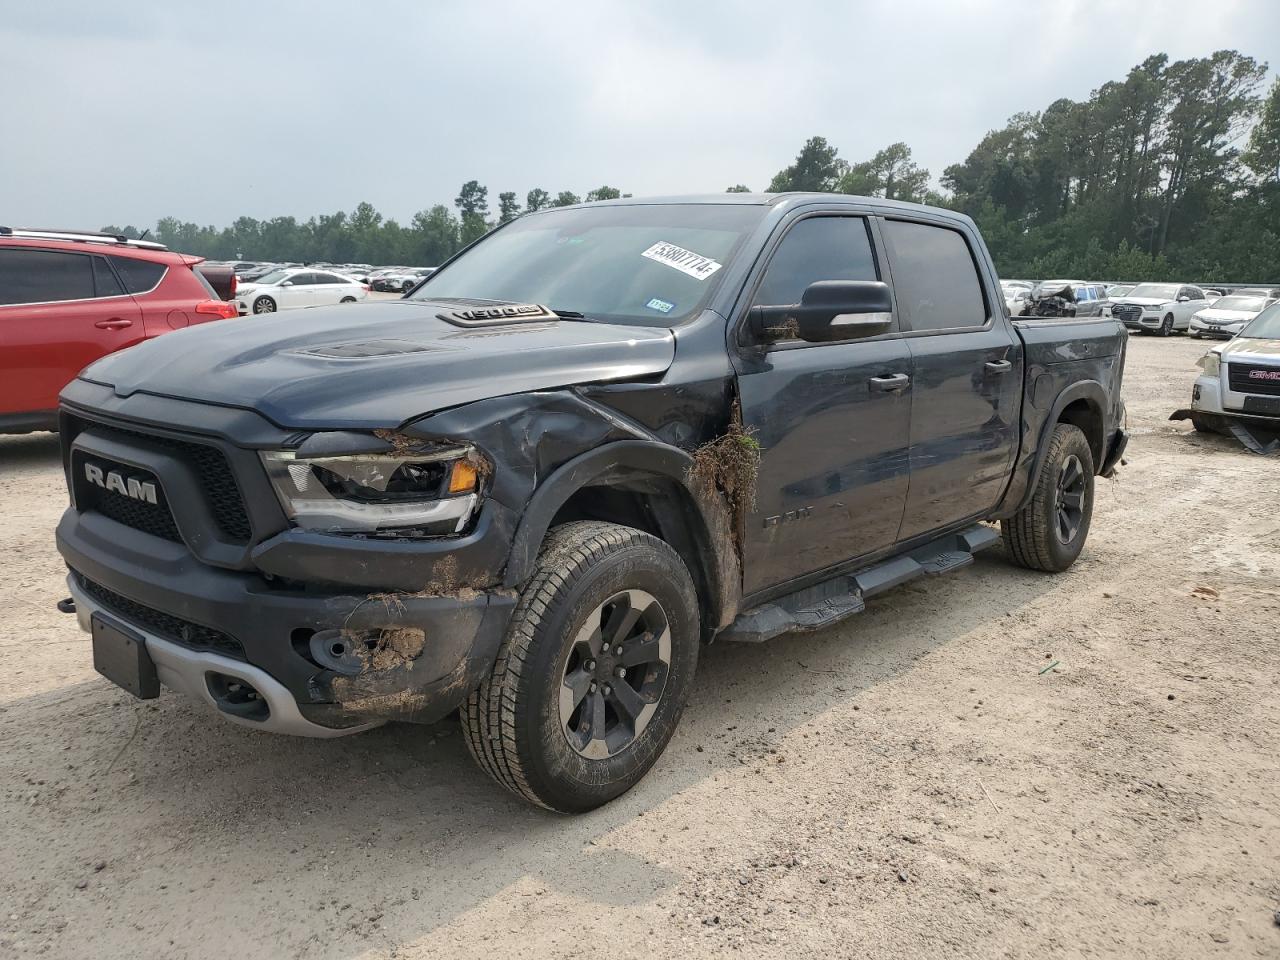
363	235
1172	171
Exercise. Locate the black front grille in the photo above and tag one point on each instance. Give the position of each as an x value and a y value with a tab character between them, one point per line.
1126	312
182	632
216	479
1254	378
153	518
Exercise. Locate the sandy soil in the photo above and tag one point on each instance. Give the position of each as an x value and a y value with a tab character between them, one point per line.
913	783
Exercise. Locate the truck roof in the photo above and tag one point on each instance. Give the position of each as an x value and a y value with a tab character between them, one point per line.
774	199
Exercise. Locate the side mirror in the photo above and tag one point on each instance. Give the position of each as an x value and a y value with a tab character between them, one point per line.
828	311
287	283
1184	299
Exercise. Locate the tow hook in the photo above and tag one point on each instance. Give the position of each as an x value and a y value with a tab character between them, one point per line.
67	606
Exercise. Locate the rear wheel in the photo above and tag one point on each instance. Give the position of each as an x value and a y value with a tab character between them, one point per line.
593	675
347	300
1049	533
264	305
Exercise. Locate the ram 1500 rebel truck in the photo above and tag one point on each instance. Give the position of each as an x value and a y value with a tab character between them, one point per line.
593	441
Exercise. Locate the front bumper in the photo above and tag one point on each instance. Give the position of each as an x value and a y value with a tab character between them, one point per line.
265	632
1200	328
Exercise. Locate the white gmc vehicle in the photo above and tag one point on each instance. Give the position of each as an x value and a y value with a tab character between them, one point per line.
1240	385
1162	308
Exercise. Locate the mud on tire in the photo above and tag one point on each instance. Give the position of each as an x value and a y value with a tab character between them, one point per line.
1034	536
515	722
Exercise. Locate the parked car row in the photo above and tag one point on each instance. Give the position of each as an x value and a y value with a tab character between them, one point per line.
388	279
1161	308
297	287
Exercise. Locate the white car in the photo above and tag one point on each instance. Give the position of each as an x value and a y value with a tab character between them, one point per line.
297	287
1226	316
1241	379
1016	293
405	280
1162	308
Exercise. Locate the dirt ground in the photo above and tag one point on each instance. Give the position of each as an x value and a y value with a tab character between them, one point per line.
920	781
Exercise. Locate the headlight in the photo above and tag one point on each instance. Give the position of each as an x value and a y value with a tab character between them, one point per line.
434	492
1210	363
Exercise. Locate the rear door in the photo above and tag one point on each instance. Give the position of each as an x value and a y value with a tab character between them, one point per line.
966	386
330	288
59	311
831	418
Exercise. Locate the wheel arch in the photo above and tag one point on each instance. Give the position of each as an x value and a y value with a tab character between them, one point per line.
1082	404
640	484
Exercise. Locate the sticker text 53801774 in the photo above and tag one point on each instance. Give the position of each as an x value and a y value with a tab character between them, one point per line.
686	261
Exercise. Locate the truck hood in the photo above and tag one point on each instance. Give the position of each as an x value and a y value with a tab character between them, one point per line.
376	364
1251	350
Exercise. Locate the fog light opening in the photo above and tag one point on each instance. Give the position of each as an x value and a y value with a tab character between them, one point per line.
237	697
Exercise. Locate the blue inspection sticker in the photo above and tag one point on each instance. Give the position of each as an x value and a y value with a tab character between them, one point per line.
660	305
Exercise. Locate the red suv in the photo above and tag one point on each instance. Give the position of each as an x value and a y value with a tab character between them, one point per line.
67	299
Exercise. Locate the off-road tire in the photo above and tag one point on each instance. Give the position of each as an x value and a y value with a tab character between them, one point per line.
512	722
1203	426
1029	535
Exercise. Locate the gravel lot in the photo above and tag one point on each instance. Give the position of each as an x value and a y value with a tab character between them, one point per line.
915	782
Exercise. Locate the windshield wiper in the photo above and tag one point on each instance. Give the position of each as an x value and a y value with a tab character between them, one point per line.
571	315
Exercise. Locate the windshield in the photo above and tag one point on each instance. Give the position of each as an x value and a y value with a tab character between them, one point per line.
275	276
1118	291
1245	304
1155	291
1266	325
652	264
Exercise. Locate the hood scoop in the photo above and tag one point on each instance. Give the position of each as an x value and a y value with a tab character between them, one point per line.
367	349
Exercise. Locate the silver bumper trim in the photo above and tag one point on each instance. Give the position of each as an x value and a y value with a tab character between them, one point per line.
184	671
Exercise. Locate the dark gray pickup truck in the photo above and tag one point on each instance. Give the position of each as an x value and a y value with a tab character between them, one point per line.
595	440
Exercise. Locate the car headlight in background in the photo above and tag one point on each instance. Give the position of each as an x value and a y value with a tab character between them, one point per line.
435	492
1210	363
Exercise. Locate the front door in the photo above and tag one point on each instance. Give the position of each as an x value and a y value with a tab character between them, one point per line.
832	420
967	377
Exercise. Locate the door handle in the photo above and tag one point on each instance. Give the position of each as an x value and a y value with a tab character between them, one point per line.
999	366
115	323
889	383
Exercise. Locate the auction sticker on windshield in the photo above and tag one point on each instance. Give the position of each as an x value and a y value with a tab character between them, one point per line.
686	261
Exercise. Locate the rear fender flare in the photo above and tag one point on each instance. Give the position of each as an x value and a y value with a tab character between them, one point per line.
1093	393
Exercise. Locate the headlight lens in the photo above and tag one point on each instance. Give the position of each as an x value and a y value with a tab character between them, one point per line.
435	492
1210	363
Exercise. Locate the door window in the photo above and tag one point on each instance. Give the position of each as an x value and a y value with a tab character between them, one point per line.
817	248
935	278
44	276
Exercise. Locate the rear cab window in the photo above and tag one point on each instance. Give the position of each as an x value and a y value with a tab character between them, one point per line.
935	277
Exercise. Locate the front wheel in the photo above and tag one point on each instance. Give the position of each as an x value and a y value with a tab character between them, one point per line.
594	672
1166	328
347	300
264	305
1049	533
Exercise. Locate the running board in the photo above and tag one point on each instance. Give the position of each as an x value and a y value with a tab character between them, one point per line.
840	597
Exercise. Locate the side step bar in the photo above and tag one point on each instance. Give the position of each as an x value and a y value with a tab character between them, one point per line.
833	600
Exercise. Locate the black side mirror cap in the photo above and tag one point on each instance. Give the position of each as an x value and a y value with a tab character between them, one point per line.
829	311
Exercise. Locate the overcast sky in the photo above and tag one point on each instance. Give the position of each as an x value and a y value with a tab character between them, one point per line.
129	111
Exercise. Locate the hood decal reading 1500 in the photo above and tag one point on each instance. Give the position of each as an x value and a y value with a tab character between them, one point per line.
500	313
